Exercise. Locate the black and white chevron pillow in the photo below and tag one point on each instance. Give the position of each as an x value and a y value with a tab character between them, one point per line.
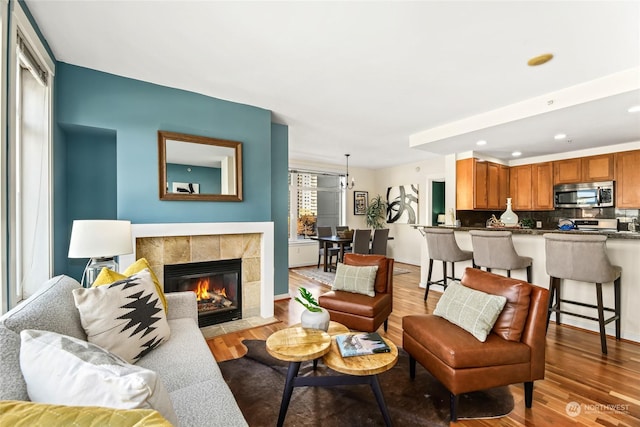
125	317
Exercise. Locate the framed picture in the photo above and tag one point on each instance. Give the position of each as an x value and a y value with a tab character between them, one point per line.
402	204
360	202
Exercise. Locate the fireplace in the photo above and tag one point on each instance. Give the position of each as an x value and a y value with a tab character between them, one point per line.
217	284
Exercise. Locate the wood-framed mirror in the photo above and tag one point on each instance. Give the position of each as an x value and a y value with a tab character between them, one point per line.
192	167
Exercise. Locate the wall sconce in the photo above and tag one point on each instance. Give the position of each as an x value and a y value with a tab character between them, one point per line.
101	241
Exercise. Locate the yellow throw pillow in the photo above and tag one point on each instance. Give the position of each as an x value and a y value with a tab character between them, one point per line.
108	276
29	414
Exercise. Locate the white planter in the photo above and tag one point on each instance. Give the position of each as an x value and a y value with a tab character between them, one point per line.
315	319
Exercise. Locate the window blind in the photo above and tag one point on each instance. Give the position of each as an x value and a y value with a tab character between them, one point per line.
31	60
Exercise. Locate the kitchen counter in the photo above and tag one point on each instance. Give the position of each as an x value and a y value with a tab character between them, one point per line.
623	249
539	231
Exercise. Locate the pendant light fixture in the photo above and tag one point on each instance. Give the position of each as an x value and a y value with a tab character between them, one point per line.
348	185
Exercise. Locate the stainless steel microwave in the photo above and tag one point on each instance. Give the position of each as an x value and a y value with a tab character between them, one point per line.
585	195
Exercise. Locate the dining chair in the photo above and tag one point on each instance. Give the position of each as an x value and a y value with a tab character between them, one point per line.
361	240
341	228
379	242
331	251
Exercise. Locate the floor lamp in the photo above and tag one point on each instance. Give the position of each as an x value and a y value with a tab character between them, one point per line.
101	241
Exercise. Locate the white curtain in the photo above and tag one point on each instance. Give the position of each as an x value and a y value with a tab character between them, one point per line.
33	199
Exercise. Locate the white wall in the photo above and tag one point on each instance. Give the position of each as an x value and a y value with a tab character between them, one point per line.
408	244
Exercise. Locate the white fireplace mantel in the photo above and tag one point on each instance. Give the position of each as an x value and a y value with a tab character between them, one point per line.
219	228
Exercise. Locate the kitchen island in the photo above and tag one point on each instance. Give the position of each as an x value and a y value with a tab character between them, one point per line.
623	249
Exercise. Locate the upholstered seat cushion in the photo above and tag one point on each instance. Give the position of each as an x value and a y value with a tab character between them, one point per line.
358	304
458	348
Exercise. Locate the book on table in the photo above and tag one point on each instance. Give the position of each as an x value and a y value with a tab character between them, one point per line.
361	344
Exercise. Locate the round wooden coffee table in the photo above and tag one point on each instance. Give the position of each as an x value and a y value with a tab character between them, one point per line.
296	345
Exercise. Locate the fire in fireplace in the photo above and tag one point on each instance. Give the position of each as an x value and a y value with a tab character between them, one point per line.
217	285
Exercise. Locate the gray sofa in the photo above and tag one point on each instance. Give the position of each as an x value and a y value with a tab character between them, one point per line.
188	370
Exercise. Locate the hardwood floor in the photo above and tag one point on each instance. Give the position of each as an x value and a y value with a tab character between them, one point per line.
605	388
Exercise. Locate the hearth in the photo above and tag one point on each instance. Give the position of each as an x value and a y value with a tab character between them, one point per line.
217	284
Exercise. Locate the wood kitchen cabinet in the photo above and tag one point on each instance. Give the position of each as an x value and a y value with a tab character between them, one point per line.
520	189
542	186
567	171
598	168
531	187
584	169
627	175
481	185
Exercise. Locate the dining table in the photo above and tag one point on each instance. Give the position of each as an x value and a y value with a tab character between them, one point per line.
328	241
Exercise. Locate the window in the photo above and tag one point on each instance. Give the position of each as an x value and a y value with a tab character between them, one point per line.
29	158
315	199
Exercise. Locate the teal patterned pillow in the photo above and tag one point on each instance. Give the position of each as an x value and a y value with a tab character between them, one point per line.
474	311
359	280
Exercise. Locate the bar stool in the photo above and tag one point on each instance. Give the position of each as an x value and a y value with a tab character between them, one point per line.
582	258
443	247
494	249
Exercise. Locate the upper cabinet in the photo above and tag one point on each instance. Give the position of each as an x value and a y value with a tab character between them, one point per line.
584	169
628	179
567	171
520	187
542	186
481	185
531	187
598	168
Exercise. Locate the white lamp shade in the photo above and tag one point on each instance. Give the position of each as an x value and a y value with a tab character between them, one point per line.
100	238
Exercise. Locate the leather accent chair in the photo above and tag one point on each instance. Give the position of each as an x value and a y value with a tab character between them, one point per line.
514	351
361	312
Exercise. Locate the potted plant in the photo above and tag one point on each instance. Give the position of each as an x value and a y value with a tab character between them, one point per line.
376	213
314	317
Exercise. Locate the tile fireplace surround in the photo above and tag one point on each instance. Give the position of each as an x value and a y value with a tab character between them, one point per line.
176	243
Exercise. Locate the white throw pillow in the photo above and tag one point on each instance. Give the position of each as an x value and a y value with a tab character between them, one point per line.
356	279
474	311
63	370
126	317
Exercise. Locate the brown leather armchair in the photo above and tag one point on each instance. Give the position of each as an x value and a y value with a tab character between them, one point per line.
513	352
362	312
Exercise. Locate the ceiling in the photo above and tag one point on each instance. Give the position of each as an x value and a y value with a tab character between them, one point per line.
363	77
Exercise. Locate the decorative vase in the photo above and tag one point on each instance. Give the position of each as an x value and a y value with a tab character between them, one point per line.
315	319
508	217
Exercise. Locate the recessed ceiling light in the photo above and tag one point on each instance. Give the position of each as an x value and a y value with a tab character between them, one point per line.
559	136
539	60
516	154
634	109
481	142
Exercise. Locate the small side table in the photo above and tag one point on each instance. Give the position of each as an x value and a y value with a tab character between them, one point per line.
297	345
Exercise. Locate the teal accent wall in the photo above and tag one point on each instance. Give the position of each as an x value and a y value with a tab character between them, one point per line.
91	185
132	112
437	201
280	205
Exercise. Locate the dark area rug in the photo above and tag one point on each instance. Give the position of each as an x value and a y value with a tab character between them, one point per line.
257	381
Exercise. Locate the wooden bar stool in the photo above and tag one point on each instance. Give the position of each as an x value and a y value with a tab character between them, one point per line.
582	258
494	249
442	246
